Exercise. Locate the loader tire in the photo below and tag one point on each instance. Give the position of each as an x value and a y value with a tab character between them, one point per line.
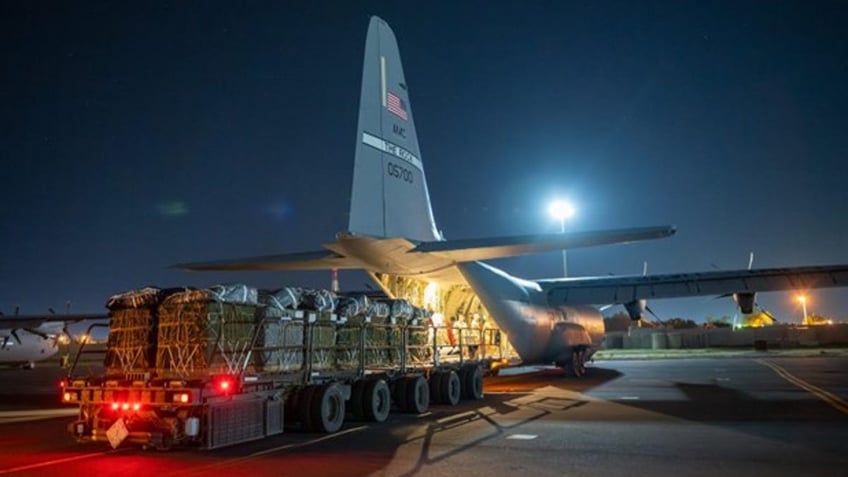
377	400
435	383
328	409
472	382
451	388
303	401
357	403
417	395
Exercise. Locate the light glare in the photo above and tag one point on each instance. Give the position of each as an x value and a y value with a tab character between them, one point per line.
561	210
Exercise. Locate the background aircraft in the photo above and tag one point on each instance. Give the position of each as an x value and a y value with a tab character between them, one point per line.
393	236
27	339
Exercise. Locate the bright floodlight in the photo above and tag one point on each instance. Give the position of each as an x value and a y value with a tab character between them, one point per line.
803	300
561	210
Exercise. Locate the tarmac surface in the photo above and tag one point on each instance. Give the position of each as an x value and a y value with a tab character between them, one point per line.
751	415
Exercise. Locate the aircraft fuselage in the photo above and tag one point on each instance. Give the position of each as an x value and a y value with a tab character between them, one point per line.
22	346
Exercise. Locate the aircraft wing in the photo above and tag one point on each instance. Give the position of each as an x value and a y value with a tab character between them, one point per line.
499	247
34	321
595	290
315	260
443	253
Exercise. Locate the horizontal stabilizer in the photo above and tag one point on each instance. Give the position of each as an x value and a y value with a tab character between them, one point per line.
316	260
625	289
499	247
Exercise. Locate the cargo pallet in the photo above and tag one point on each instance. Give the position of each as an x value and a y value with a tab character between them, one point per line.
321	386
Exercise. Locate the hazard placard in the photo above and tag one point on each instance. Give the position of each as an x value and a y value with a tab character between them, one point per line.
117	433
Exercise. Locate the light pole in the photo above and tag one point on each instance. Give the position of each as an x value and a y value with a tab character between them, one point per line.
803	300
560	209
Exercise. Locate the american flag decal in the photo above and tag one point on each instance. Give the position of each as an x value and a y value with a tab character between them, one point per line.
395	106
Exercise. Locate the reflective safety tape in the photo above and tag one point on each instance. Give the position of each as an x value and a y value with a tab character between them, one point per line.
390	148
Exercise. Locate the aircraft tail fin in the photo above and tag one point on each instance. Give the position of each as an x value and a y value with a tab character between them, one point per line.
389	197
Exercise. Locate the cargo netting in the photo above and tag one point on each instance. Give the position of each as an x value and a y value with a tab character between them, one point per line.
131	346
235	329
207	331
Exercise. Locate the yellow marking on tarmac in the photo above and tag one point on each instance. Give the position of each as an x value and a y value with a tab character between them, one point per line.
833	400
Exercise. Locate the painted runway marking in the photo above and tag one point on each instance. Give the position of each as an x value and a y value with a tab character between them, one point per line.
7	417
285	447
522	437
833	400
56	461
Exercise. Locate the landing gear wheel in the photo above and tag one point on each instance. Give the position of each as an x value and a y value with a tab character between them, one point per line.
377	400
578	363
328	409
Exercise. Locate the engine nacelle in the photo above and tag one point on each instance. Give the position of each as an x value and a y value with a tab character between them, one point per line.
745	301
636	309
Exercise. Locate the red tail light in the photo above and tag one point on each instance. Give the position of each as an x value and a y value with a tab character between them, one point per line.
225	384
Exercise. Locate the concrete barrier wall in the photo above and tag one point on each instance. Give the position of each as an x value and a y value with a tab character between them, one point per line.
832	334
784	336
659	340
614	340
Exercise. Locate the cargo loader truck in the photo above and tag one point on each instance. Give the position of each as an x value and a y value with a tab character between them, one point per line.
208	368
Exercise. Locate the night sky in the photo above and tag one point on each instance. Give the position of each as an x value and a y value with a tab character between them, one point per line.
136	135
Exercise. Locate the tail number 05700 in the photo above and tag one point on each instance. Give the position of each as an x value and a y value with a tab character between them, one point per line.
399	172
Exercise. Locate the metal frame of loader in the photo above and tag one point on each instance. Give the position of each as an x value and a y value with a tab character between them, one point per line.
219	410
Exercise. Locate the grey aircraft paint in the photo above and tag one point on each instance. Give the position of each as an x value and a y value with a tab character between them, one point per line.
389	196
392	232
